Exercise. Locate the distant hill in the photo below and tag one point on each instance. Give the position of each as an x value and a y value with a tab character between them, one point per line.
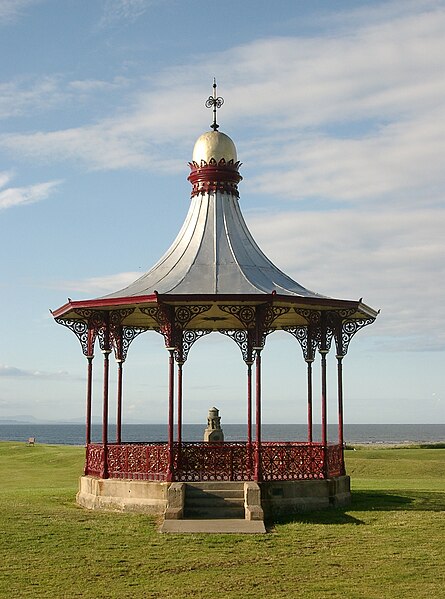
27	419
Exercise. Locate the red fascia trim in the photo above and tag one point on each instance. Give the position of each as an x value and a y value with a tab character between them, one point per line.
258	298
103	303
250	298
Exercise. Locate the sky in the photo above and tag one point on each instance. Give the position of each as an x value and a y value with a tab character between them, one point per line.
337	110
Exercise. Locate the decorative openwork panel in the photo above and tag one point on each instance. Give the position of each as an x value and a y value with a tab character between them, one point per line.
197	461
138	461
122	339
348	330
319	328
244	339
271	313
96	320
292	461
335	460
307	337
82	332
184	314
189	337
94	459
257	318
163	315
173	320
211	461
245	314
312	317
115	320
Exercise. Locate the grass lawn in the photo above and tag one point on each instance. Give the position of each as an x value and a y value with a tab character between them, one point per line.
389	544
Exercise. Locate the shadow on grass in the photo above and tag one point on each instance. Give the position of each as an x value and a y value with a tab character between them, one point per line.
422	501
366	501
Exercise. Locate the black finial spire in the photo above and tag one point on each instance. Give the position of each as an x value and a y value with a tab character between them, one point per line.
215	102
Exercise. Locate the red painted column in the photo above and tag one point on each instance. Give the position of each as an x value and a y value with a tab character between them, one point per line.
88	410
309	401
89	400
106	353
171	391
119	402
180	373
341	439
340	399
249	417
324	414
258	475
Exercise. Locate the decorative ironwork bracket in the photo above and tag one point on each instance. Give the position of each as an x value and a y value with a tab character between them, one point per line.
348	329
189	337
83	332
244	338
172	321
307	337
259	319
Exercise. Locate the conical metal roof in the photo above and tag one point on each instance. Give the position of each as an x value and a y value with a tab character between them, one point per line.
214	252
214	269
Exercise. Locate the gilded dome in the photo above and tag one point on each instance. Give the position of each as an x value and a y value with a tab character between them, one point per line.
214	144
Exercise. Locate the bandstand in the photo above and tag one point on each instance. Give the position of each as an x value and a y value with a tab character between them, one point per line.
215	278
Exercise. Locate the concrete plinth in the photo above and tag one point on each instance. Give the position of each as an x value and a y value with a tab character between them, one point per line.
274	498
145	497
282	498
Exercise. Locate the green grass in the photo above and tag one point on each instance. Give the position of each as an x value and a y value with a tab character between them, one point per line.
389	544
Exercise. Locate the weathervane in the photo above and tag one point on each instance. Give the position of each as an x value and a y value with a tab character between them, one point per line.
215	102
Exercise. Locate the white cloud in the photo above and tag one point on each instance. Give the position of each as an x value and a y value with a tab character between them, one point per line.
20	373
103	284
394	259
403	160
383	80
93	85
29	95
11	9
354	119
21	96
125	10
15	196
5	177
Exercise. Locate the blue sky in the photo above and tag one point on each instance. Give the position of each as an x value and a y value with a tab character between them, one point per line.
337	110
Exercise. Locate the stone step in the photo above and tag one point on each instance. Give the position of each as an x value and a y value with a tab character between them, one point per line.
212	526
216	485
191	492
213	501
214	513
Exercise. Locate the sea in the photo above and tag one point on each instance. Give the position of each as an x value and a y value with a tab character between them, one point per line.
74	434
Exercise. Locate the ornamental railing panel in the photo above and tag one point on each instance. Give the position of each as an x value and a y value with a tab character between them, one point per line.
292	461
136	461
232	461
94	459
335	460
212	461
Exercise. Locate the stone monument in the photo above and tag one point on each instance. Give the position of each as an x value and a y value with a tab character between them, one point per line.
213	433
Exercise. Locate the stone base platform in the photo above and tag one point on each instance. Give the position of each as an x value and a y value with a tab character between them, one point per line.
123	495
282	498
278	498
219	526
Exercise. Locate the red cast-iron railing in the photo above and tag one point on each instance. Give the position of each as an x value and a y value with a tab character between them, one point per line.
216	461
232	461
335	459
